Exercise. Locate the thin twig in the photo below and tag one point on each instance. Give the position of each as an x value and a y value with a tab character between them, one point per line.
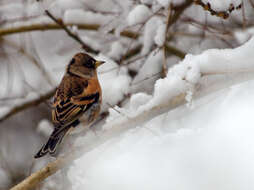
251	3
222	14
147	78
139	29
179	9
243	16
71	34
31	58
174	51
169	17
27	104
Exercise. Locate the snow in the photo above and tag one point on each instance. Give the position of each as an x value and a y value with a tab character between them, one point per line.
152	66
79	16
165	3
206	147
138	14
219	5
204	144
114	81
149	31
160	35
149	2
138	100
67	4
244	36
189	71
210	148
45	128
117	50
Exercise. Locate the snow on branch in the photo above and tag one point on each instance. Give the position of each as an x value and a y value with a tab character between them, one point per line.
222	14
202	74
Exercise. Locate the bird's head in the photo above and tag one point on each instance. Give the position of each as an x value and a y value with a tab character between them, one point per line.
83	65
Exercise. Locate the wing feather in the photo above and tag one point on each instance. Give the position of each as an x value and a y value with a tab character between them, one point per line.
72	99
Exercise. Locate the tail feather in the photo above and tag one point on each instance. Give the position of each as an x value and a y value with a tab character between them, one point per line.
52	144
55	139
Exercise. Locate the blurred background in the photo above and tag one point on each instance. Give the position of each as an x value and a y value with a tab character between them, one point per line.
139	40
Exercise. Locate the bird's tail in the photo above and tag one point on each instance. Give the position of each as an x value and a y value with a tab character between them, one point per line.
54	140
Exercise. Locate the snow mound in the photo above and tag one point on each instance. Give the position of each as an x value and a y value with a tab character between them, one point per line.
139	14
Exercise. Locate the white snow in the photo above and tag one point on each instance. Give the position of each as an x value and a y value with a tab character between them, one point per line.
117	50
208	148
203	145
219	5
243	36
138	14
165	3
149	32
160	35
139	99
152	66
80	16
45	128
114	82
189	71
149	2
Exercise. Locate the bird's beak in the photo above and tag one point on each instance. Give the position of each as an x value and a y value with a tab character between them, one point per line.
98	63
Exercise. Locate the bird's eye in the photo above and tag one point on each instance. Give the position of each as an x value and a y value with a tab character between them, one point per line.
90	63
72	61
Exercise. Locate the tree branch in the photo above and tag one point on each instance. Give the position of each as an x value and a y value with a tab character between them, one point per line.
178	12
28	104
117	128
175	51
221	14
71	34
94	27
54	26
120	125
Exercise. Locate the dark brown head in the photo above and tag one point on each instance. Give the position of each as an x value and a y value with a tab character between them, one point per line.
83	65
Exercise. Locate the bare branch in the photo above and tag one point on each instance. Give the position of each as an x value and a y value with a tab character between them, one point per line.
71	34
31	58
178	11
175	51
28	104
59	25
221	14
251	3
54	26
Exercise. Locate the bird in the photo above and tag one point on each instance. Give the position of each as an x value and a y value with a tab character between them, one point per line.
78	94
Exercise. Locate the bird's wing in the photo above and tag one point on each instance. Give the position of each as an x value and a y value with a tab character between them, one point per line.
72	99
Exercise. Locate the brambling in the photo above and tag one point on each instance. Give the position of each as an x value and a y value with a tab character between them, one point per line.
79	94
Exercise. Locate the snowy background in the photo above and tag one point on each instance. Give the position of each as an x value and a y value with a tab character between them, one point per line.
157	52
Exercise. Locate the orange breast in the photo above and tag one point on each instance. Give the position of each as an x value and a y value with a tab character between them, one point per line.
93	87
